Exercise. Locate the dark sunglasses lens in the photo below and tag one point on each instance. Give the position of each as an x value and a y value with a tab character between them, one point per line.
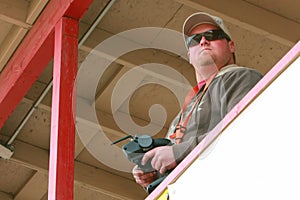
209	35
194	40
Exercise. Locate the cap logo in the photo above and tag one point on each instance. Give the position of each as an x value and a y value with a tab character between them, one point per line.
218	20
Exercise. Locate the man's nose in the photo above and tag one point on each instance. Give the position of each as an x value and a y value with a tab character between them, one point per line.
203	41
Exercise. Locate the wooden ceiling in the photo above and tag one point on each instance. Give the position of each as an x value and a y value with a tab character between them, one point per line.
263	31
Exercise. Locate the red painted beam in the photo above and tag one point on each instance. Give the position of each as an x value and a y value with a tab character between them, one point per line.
78	8
62	138
34	53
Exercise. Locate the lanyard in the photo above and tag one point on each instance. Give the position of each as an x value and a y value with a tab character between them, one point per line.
181	125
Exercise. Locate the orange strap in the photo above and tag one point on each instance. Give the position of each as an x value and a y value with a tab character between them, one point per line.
181	126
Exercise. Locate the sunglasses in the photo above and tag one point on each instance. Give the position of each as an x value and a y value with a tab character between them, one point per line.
210	35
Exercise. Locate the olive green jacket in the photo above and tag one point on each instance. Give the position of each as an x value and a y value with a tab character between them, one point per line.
229	86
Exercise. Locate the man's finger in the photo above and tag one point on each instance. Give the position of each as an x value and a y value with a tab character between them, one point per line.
163	170
147	156
136	170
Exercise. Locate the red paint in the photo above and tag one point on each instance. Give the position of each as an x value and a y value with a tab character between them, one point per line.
34	54
62	138
27	64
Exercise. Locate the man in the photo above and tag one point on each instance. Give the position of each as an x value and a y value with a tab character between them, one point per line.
221	85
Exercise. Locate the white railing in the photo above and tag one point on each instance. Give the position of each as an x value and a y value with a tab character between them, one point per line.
254	152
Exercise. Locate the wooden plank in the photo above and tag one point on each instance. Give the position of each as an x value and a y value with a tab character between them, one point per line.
9	44
4	196
33	54
38	183
14	21
85	175
62	138
36	6
14	9
17	33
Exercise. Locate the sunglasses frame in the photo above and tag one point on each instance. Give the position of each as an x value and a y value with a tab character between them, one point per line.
210	35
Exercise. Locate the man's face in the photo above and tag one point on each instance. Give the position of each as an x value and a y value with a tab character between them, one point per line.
216	53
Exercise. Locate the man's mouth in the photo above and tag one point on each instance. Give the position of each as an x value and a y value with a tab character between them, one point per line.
204	50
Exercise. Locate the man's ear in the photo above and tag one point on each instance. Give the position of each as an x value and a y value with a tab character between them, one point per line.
231	46
188	55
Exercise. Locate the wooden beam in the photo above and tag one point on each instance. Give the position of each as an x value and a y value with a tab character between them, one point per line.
17	77
36	6
33	54
86	123
15	21
38	183
14	9
13	12
9	44
17	33
62	138
5	196
87	176
130	64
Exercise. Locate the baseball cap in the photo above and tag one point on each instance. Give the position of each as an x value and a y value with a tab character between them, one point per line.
202	18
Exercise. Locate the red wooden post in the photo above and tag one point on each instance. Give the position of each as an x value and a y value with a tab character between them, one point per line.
62	139
34	53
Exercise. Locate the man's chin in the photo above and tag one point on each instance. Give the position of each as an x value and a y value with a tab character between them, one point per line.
206	68
204	63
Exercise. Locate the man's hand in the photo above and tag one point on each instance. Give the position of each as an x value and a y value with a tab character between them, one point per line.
143	178
162	158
